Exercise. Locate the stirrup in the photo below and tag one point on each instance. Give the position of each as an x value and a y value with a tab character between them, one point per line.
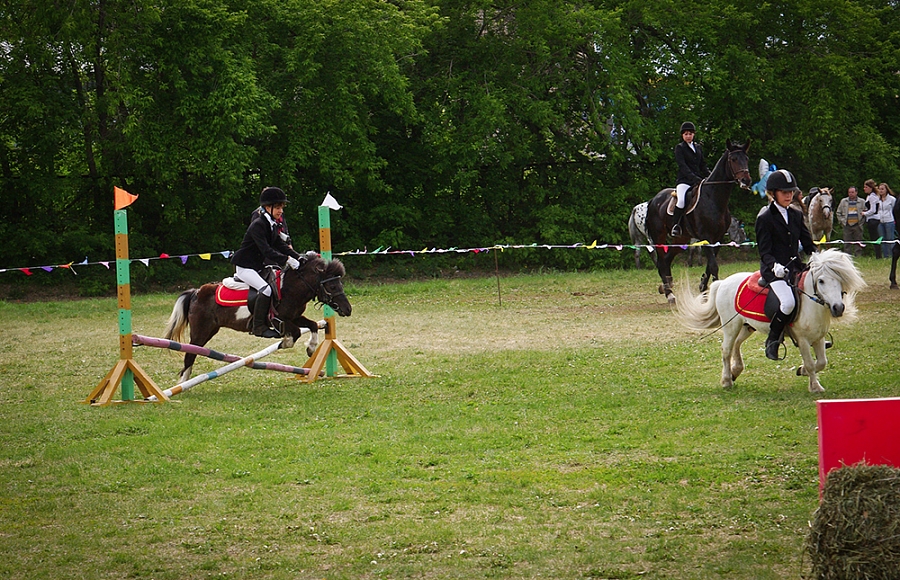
777	352
676	230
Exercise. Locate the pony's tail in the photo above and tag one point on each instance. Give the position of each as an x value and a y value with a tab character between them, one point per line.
178	320
697	312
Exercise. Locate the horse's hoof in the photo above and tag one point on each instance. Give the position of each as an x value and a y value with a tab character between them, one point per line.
661	289
671	299
287	342
894	286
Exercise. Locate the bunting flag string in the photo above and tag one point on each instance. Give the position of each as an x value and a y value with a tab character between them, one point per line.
29	270
388	251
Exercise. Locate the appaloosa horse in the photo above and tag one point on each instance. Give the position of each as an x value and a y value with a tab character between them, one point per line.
316	279
707	216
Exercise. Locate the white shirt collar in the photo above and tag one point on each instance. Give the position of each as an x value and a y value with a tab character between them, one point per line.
783	212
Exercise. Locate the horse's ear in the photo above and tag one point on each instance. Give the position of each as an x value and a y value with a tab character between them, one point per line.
728	144
747	145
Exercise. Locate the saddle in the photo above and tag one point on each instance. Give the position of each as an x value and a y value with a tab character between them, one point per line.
690	201
235	292
753	300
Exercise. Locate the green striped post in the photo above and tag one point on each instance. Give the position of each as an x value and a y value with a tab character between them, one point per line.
331	363
123	288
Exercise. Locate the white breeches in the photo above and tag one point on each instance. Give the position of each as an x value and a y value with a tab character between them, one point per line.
252	277
785	295
680	191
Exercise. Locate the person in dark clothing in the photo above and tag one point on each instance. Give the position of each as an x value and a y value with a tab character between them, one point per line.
691	171
263	243
780	231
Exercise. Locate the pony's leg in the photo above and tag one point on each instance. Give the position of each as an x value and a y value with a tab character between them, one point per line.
313	327
737	360
712	268
729	345
664	267
809	367
188	367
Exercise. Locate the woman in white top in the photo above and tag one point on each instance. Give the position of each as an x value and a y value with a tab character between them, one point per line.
882	209
871	197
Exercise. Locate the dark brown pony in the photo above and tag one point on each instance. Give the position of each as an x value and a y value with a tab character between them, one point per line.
316	279
709	220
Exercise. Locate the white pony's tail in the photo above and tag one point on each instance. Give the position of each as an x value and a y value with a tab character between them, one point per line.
697	312
178	320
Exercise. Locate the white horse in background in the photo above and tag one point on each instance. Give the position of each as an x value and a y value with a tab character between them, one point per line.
820	215
828	291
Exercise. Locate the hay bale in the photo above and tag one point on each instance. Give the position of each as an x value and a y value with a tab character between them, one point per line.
855	532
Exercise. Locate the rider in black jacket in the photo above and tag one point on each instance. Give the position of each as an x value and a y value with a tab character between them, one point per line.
691	171
262	243
780	232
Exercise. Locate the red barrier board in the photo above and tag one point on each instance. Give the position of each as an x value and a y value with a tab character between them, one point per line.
853	430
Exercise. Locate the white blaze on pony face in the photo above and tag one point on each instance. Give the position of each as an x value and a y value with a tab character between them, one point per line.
828	288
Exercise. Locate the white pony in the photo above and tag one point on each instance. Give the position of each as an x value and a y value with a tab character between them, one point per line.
831	275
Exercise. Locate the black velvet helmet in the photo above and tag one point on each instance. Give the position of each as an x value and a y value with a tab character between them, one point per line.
688	126
271	196
781	180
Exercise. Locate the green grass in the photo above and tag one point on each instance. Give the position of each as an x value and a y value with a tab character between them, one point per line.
576	431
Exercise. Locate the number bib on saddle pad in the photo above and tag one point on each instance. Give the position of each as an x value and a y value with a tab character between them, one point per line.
750	299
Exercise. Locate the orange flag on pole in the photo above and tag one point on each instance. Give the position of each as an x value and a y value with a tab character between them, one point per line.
123	198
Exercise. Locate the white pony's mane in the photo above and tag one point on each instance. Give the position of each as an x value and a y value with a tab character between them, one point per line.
840	265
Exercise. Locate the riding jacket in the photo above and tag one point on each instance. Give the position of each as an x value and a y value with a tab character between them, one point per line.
779	241
261	244
691	165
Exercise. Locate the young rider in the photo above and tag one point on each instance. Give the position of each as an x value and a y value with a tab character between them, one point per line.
691	171
262	243
780	231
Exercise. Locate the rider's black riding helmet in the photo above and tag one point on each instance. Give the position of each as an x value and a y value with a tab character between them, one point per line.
688	126
271	196
781	180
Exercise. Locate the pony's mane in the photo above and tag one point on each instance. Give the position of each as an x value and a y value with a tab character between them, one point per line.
840	265
329	269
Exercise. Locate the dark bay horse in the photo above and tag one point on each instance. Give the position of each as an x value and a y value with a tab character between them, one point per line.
709	220
316	279
895	251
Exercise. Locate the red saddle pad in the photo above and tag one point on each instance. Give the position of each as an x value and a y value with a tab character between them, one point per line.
228	297
750	299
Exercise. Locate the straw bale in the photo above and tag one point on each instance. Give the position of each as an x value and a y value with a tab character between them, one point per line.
855	532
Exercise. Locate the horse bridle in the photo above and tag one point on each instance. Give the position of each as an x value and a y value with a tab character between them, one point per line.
736	176
321	291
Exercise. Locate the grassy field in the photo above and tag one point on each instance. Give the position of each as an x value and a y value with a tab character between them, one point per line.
576	431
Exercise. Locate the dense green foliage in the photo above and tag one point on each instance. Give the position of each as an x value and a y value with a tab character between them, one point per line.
435	122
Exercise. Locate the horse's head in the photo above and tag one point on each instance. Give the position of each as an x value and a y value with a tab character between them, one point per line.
737	163
824	202
835	281
736	231
324	279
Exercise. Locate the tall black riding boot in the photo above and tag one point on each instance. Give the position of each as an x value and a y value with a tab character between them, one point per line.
261	318
677	214
776	335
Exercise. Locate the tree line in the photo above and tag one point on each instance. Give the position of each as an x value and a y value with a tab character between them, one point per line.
438	123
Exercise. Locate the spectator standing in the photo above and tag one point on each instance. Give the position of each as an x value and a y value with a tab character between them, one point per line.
871	221
850	214
884	213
